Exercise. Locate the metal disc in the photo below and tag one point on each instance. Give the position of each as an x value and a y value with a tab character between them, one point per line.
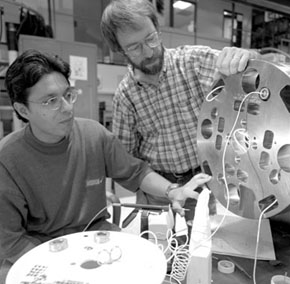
243	139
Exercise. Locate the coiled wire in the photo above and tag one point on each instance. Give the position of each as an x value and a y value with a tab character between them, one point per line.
180	263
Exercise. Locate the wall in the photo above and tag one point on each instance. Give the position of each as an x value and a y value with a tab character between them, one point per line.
172	37
108	79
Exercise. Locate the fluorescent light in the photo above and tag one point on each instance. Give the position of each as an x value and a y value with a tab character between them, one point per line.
181	5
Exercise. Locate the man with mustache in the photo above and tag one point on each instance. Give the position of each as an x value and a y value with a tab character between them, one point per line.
157	104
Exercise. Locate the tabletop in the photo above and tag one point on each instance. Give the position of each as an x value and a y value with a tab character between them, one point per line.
243	273
91	257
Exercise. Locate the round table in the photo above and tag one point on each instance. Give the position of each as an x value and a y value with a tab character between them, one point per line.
77	259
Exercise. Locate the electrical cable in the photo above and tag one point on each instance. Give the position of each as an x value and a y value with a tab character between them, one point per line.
259	222
181	254
95	217
224	177
223	164
258	238
211	92
265	50
246	139
151	233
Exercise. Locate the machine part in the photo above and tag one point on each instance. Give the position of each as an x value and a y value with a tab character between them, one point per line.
57	245
102	237
243	139
226	266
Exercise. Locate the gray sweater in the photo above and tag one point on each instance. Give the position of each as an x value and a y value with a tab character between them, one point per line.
48	190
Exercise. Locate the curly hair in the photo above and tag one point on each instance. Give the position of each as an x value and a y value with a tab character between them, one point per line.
123	14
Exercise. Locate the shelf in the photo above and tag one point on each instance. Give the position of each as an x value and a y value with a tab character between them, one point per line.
6	108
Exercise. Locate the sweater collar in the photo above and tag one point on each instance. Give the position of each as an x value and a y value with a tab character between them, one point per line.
46	148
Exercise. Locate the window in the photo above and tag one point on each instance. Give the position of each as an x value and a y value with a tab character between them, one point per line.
270	29
233	27
184	15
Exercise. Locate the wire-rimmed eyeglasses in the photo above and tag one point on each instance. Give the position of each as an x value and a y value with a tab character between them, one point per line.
136	49
54	103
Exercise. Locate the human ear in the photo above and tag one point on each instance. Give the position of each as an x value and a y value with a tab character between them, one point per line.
21	109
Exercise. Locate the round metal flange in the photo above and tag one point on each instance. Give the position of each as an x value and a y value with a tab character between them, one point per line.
243	139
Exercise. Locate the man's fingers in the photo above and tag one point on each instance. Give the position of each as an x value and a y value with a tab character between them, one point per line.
201	178
243	63
192	194
177	208
232	60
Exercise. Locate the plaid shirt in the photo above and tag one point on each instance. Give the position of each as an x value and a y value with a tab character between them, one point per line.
159	123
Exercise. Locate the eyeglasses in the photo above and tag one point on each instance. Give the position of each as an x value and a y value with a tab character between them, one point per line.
152	40
55	103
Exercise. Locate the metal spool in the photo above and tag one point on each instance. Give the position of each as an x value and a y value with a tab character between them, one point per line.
256	163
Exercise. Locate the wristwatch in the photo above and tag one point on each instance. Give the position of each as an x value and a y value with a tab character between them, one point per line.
171	187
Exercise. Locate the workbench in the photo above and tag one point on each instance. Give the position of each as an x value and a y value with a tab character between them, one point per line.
265	269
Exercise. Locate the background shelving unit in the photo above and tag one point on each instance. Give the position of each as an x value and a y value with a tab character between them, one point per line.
6	110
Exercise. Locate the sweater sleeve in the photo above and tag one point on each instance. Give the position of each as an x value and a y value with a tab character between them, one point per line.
14	239
122	166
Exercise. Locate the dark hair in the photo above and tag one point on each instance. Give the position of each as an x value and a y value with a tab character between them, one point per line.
123	14
27	70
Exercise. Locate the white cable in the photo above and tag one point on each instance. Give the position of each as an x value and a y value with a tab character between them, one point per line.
227	189
265	50
181	254
211	92
171	244
223	167
180	263
151	233
94	218
258	237
175	281
242	131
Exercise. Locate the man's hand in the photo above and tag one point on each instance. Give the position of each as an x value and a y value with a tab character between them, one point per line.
232	60
179	195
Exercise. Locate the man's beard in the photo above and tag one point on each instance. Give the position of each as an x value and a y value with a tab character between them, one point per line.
146	67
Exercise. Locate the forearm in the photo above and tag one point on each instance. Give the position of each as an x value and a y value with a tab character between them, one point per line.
155	184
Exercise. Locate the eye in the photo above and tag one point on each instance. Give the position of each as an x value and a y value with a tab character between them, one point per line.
151	37
68	95
133	47
51	101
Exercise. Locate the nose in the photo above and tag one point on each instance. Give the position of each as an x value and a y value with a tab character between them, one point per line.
65	105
